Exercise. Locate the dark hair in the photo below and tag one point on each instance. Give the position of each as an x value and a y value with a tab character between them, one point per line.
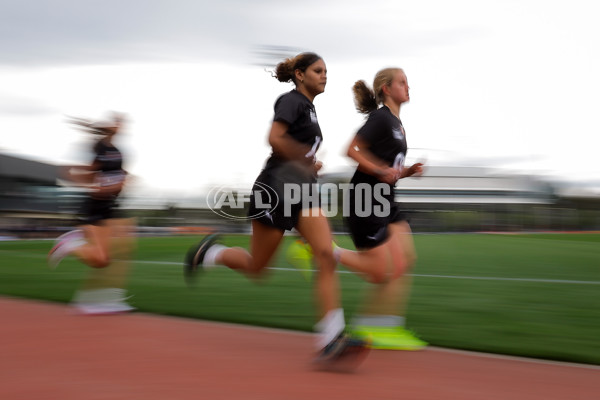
98	127
367	100
285	71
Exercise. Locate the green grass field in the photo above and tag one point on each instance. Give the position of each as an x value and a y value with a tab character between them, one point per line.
535	295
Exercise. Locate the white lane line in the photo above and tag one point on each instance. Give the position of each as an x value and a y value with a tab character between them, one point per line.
481	278
484	278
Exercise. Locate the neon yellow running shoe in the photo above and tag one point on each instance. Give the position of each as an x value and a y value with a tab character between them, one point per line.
389	338
299	254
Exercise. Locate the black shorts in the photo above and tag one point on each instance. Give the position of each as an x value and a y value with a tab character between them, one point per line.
280	194
370	215
94	211
369	232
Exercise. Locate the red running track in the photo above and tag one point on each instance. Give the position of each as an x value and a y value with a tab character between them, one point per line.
47	352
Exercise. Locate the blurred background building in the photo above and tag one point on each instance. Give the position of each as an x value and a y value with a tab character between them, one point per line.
33	203
29	196
469	199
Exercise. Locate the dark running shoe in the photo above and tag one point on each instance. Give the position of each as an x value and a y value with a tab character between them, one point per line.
343	354
195	257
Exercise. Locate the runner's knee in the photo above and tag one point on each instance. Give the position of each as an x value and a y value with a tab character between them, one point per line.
324	257
100	261
378	276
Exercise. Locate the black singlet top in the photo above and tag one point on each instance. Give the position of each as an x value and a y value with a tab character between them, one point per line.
108	162
298	112
384	134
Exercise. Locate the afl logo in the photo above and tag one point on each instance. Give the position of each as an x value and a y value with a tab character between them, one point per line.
397	132
231	204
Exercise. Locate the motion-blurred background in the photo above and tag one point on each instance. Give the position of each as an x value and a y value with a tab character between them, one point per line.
503	101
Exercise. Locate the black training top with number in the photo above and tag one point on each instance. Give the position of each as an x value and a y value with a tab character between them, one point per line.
384	134
108	162
298	112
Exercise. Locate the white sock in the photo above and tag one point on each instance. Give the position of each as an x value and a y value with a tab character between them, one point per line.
330	327
210	258
383	321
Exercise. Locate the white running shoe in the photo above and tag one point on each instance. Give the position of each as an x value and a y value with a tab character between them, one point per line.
64	245
102	309
102	301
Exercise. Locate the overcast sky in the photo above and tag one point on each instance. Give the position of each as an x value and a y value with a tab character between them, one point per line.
511	84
